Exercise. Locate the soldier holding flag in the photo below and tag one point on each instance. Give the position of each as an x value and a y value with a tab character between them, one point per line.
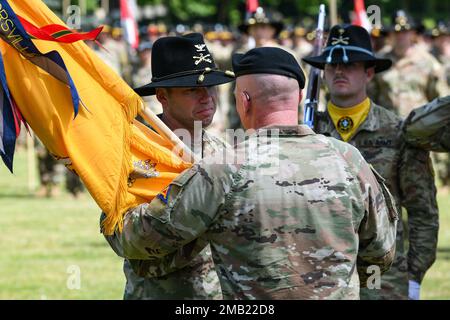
184	80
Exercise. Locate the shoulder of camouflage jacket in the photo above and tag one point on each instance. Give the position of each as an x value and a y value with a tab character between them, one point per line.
428	126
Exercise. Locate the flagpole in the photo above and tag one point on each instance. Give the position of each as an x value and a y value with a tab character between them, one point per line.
333	13
160	127
105	6
65	5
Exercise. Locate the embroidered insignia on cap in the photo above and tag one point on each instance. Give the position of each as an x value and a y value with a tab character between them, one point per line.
164	195
345	124
200	47
341	39
201	57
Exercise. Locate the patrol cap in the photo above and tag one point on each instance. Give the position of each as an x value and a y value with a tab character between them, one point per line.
268	60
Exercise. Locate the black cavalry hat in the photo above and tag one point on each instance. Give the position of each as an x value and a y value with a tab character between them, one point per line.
268	60
183	61
403	21
348	43
261	16
441	29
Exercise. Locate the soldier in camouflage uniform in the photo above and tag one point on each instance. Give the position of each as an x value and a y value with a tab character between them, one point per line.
351	116
50	171
185	98
416	77
441	46
73	183
428	127
282	224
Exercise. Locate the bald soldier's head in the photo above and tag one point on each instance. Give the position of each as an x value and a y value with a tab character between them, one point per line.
267	99
268	87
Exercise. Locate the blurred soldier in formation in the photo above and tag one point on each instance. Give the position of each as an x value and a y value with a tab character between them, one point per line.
123	52
220	41
73	183
111	56
50	171
415	78
156	31
441	46
143	74
302	46
263	28
380	41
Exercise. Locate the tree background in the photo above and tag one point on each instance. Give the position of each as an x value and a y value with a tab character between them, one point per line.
231	12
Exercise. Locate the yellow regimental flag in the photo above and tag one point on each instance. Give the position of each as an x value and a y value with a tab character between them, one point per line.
121	162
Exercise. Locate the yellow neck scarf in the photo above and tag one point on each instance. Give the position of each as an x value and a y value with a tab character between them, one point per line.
347	120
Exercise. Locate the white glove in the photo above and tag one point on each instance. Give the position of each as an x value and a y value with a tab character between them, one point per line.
414	290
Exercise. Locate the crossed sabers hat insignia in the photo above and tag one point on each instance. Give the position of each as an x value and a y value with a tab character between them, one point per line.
201	57
341	39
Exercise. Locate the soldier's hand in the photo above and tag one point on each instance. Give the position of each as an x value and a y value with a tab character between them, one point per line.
414	290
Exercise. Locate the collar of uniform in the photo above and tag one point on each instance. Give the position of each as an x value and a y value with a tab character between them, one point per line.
299	130
370	124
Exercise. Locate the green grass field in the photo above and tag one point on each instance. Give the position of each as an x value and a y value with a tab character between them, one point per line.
46	243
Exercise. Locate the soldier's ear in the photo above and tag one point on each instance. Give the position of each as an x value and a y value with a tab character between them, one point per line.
161	95
246	101
300	96
370	72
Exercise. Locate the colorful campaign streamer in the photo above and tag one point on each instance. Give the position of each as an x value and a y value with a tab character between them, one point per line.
121	162
58	33
13	33
18	32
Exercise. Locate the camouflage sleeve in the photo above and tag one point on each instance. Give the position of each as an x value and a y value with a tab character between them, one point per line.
418	197
428	127
158	267
170	222
377	230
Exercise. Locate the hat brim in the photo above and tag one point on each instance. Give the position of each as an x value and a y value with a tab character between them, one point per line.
278	26
213	78
320	61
